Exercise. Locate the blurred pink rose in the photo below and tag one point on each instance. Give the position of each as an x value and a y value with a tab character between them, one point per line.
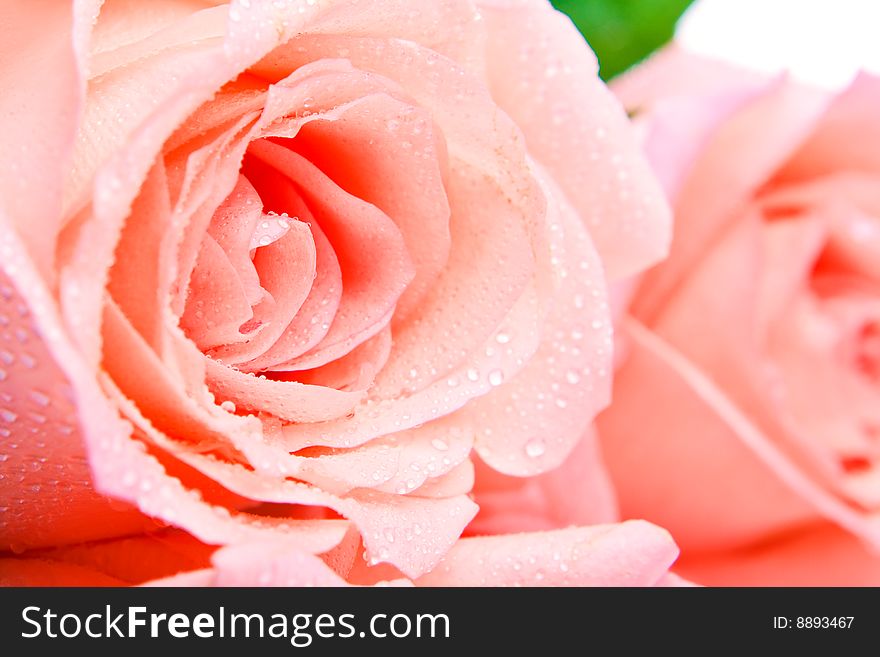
746	416
272	272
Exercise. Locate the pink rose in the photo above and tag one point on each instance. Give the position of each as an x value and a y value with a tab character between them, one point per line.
746	417
274	271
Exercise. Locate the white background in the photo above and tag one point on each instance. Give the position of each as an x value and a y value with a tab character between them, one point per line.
821	41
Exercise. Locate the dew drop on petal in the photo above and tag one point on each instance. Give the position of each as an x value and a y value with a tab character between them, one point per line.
535	448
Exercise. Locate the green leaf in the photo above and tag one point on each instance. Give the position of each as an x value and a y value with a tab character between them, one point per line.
622	32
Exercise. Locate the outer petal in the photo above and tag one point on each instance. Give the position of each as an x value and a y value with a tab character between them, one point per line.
530	423
46	495
846	137
677	433
820	555
42	93
728	172
543	74
633	553
262	564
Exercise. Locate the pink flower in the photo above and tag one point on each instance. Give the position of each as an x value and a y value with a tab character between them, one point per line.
274	271
746	417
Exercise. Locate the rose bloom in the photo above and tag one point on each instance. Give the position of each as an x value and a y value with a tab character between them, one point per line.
746	416
275	272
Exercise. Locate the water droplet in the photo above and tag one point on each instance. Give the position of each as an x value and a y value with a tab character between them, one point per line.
439	444
535	448
502	338
496	377
40	398
228	406
473	374
573	377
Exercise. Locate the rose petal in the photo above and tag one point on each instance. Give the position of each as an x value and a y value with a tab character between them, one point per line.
138	558
43	83
656	479
357	369
392	136
45	484
578	492
543	74
790	561
731	168
382	518
844	139
529	423
633	553
370	287
44	572
205	321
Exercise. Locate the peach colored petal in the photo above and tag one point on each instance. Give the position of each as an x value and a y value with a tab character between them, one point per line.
127	33
489	246
479	140
148	83
207	322
160	394
203	179
828	390
543	74
44	572
232	226
675	129
263	564
578	492
286	269
120	466
731	343
357	369
314	318
371	418
41	102
458	481
381	517
288	400
731	168
45	486
137	559
370	287
392	136
818	555
530	422
790	250
656	477
674	71
135	282
271	565
845	137
633	553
